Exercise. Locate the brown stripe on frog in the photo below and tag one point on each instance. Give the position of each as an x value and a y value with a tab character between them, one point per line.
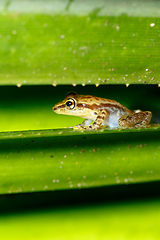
102	106
87	97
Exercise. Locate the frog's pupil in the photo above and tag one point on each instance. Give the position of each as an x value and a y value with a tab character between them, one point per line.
69	103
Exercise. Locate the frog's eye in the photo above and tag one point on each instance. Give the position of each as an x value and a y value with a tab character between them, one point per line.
70	103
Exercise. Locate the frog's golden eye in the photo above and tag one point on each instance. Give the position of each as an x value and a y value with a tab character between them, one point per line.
71	103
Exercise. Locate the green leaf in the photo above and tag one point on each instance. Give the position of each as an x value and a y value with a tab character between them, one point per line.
70	48
65	159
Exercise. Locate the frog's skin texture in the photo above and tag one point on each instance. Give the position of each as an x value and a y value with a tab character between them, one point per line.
101	111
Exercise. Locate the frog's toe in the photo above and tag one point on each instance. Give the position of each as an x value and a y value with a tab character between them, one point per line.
78	127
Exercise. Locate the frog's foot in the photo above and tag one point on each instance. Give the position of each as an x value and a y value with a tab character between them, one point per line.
83	125
91	127
78	127
138	119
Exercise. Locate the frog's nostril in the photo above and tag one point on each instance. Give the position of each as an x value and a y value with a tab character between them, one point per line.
54	108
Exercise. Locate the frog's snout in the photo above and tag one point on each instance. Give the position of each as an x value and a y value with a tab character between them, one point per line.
54	109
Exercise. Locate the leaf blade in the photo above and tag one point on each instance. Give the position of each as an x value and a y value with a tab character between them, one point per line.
41	162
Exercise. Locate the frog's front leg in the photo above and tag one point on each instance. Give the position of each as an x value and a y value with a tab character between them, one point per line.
85	123
101	115
136	119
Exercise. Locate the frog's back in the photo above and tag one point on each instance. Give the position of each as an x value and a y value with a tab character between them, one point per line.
102	103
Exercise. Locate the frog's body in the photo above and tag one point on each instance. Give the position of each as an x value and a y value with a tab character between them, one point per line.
101	111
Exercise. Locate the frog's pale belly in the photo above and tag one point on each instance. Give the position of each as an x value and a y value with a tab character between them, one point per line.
112	120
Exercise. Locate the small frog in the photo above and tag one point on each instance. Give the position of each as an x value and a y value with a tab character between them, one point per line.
101	111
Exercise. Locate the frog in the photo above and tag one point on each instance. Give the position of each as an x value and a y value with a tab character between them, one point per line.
99	112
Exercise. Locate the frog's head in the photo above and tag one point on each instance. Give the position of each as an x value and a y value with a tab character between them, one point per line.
73	104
